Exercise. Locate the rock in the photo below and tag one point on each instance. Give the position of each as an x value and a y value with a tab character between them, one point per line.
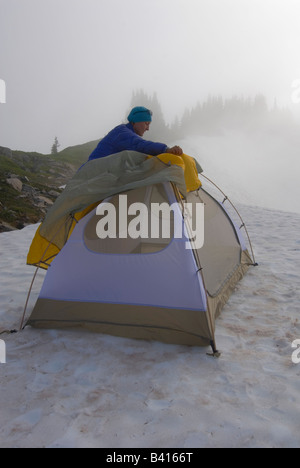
5	151
6	227
15	183
53	193
43	201
29	190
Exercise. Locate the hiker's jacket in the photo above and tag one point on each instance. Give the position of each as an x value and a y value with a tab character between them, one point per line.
122	138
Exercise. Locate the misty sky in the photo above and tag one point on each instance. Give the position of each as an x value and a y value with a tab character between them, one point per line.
70	66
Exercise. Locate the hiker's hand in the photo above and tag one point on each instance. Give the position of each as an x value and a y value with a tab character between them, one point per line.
175	150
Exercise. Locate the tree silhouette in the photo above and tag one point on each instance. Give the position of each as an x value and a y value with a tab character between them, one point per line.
216	115
55	146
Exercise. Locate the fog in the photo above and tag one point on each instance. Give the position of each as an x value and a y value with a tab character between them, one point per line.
70	66
250	169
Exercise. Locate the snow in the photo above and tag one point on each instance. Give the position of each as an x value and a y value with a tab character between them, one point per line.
78	389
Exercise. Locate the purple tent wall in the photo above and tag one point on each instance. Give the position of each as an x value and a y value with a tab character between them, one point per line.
167	278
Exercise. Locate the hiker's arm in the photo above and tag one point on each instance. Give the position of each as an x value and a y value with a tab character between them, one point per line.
174	150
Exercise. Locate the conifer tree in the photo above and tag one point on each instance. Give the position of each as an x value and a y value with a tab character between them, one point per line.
55	146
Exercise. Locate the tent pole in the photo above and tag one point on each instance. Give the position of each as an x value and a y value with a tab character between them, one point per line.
28	295
35	273
235	209
216	353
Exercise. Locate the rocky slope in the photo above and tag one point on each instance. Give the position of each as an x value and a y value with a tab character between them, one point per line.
30	182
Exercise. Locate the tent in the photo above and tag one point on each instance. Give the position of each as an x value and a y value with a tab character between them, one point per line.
147	280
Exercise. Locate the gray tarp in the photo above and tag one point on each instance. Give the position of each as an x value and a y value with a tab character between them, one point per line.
101	178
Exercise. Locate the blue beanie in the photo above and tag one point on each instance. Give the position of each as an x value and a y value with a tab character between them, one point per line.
140	114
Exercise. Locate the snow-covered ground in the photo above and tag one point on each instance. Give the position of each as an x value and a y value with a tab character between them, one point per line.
79	389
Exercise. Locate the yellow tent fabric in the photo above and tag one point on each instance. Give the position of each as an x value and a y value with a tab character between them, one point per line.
188	164
43	251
